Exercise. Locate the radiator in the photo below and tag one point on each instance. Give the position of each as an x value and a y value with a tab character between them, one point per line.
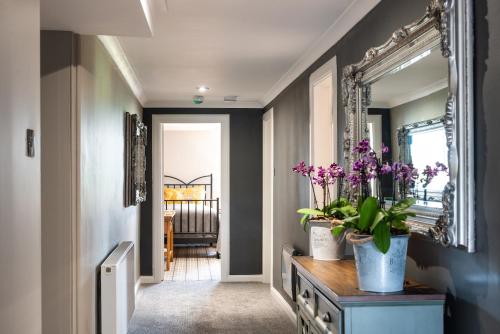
287	276
117	289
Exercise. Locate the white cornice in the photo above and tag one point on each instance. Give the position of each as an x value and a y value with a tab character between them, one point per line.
416	94
116	52
352	15
206	104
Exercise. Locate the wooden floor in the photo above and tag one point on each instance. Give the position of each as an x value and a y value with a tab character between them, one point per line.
196	263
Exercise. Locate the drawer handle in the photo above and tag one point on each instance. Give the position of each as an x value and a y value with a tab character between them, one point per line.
326	317
305	294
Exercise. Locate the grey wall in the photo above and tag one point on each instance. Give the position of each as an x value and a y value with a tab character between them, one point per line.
103	98
472	281
245	188
84	99
20	231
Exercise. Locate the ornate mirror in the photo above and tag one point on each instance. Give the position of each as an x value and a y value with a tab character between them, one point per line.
414	94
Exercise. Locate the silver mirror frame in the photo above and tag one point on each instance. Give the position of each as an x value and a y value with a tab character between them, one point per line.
447	24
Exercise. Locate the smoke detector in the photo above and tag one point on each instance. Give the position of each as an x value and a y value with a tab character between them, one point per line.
198	99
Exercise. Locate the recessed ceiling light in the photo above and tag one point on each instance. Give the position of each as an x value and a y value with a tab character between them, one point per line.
202	89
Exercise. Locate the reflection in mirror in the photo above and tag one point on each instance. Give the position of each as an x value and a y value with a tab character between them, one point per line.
406	113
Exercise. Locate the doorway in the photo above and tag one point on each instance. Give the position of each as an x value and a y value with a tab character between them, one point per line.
323	118
191	178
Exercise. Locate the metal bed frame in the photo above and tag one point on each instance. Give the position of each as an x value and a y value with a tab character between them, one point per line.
182	210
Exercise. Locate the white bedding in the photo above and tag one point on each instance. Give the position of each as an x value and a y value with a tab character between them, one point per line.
195	213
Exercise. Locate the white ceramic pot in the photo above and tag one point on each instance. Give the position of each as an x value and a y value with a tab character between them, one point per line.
322	244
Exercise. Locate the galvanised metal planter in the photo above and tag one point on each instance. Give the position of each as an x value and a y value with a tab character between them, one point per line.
379	272
322	244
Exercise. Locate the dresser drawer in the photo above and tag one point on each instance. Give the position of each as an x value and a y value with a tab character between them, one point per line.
305	295
328	317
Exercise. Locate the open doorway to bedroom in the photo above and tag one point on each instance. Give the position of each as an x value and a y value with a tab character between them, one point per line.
191	156
191	197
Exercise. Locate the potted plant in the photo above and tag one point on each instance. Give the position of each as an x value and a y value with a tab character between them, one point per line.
379	235
323	244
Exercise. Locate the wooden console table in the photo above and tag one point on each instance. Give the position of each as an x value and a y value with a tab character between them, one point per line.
168	230
329	301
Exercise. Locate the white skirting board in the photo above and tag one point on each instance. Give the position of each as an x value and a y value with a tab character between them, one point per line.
284	304
242	278
147	280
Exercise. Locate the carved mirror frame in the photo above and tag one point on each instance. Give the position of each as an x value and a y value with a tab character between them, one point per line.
447	24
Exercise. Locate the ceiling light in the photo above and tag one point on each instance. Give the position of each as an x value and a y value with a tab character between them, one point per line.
202	89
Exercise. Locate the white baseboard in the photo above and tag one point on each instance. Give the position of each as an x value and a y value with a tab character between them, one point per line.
284	304
138	290
147	280
242	278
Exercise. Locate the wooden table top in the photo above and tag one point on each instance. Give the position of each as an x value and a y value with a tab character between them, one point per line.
338	279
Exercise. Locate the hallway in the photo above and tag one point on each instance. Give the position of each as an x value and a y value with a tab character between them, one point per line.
208	307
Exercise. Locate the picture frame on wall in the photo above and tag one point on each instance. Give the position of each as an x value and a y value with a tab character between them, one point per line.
134	160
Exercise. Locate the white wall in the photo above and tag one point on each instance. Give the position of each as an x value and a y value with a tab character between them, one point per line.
20	222
425	108
189	154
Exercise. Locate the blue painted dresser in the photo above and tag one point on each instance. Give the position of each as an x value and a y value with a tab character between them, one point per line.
329	302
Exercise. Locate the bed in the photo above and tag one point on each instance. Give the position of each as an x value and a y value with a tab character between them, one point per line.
197	213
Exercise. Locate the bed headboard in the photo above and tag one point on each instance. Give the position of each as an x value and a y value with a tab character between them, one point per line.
206	181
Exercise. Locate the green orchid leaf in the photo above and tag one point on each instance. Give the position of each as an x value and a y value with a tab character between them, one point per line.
353	219
382	237
367	214
378	218
401	226
337	230
403	205
304	220
311	212
348	210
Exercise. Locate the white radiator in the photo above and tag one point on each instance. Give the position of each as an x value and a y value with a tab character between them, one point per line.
117	289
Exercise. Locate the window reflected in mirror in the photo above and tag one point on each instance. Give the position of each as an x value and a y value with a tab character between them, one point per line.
406	113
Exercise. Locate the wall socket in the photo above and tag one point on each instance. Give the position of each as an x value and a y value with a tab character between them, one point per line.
30	143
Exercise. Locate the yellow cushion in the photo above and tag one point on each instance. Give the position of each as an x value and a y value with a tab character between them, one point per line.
171	194
193	193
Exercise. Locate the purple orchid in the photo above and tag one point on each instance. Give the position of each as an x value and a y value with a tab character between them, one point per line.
385	149
363	146
385	169
322	177
303	169
430	173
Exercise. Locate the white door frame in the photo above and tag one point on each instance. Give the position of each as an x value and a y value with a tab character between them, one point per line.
157	195
267	196
329	68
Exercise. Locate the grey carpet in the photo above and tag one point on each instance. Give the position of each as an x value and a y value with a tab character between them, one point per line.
209	307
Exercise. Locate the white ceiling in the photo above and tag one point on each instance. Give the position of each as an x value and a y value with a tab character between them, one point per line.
249	48
98	17
420	79
236	47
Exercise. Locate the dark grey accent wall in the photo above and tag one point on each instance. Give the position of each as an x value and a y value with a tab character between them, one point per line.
472	281
245	189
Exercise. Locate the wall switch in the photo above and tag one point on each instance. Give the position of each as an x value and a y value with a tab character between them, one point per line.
30	143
